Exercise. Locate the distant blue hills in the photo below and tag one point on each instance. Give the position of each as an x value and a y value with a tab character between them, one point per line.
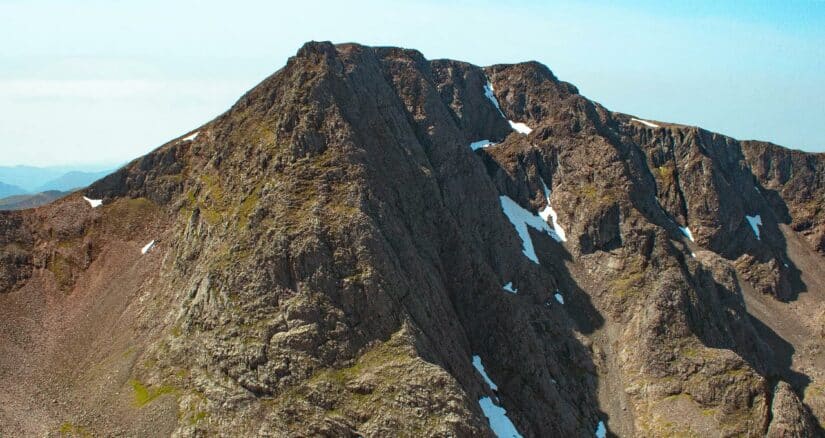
18	180
10	190
72	180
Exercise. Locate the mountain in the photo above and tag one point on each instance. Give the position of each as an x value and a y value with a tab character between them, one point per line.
73	180
20	202
9	190
370	243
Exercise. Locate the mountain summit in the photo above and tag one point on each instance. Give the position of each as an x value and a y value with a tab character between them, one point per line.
369	243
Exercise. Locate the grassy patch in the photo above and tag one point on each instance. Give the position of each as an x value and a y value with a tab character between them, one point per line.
217	206
192	414
667	424
63	269
129	351
738	372
628	285
246	207
213	206
197	417
689	352
665	173
383	354
145	394
387	366
191	199
593	194
211	216
678	396
68	429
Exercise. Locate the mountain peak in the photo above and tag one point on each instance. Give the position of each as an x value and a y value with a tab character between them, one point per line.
310	48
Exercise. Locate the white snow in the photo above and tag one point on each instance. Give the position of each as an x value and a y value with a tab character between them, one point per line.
601	431
754	221
521	218
645	122
549	212
520	127
687	233
481	144
509	287
480	368
190	137
559	298
501	425
148	246
94	202
488	92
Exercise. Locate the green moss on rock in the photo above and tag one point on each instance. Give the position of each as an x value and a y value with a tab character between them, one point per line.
145	394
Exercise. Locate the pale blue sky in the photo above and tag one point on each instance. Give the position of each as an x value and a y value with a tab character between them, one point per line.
105	81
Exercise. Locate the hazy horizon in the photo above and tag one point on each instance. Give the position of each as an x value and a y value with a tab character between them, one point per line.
96	82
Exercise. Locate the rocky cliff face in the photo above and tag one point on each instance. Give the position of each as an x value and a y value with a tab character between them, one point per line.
370	243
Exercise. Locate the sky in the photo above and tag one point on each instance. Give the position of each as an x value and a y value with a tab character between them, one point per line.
104	81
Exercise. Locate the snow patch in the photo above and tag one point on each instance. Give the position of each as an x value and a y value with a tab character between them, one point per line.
191	137
519	127
601	430
755	221
481	144
488	92
509	287
559	298
549	212
480	368
501	425
148	246
94	202
645	122
521	218
687	233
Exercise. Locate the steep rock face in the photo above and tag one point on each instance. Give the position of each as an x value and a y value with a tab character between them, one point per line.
793	184
330	258
15	253
790	418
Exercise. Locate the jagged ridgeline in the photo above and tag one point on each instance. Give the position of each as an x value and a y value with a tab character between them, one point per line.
370	243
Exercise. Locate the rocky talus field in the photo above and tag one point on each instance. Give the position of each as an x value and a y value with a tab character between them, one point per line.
370	243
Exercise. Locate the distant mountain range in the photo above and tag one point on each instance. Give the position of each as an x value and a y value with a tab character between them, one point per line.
27	186
72	180
9	190
38	179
